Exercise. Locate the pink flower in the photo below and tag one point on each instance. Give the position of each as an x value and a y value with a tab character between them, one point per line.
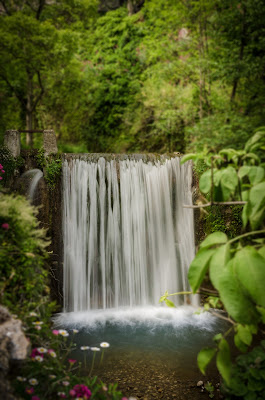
35	398
29	390
71	361
1	166
55	332
3	171
80	391
5	226
1	178
35	352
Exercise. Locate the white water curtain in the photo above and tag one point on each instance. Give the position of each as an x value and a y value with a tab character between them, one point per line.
127	238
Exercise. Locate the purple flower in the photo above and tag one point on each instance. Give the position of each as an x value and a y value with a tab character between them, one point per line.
80	391
5	226
35	352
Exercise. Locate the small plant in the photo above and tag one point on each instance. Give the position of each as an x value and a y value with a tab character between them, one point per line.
53	171
51	166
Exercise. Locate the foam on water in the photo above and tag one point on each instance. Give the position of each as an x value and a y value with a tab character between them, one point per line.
148	317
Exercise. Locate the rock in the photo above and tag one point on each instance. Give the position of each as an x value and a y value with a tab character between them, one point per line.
14	347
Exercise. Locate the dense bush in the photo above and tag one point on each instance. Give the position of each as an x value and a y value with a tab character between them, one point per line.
49	372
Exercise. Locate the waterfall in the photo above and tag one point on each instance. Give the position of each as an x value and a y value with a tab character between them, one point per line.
127	238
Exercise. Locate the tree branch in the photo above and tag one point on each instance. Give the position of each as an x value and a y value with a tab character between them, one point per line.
226	203
40	94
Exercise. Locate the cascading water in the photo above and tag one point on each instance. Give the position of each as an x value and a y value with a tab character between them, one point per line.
127	237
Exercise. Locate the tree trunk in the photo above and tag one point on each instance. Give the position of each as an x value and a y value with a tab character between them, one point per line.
130	7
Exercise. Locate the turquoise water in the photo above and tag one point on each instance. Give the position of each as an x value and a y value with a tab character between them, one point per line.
158	336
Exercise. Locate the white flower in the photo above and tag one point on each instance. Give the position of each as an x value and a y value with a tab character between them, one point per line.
75	330
65	383
63	332
95	348
38	327
37	323
21	379
52	354
38	358
52	376
104	344
84	347
33	381
32	314
42	350
61	393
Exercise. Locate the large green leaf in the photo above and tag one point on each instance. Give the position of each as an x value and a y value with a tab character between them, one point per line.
257	203
256	174
188	157
254	140
205	182
223	360
214	239
235	300
217	263
199	267
249	267
244	333
239	344
229	182
204	358
243	171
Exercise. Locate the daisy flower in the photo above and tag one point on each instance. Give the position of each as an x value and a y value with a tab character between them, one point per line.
65	383
33	314
84	347
75	330
52	376
21	379
52	353
33	381
63	332
37	323
38	358
104	345
42	350
95	348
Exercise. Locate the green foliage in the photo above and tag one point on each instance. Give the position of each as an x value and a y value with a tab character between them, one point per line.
24	290
174	74
236	266
248	376
22	253
9	163
52	172
52	167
